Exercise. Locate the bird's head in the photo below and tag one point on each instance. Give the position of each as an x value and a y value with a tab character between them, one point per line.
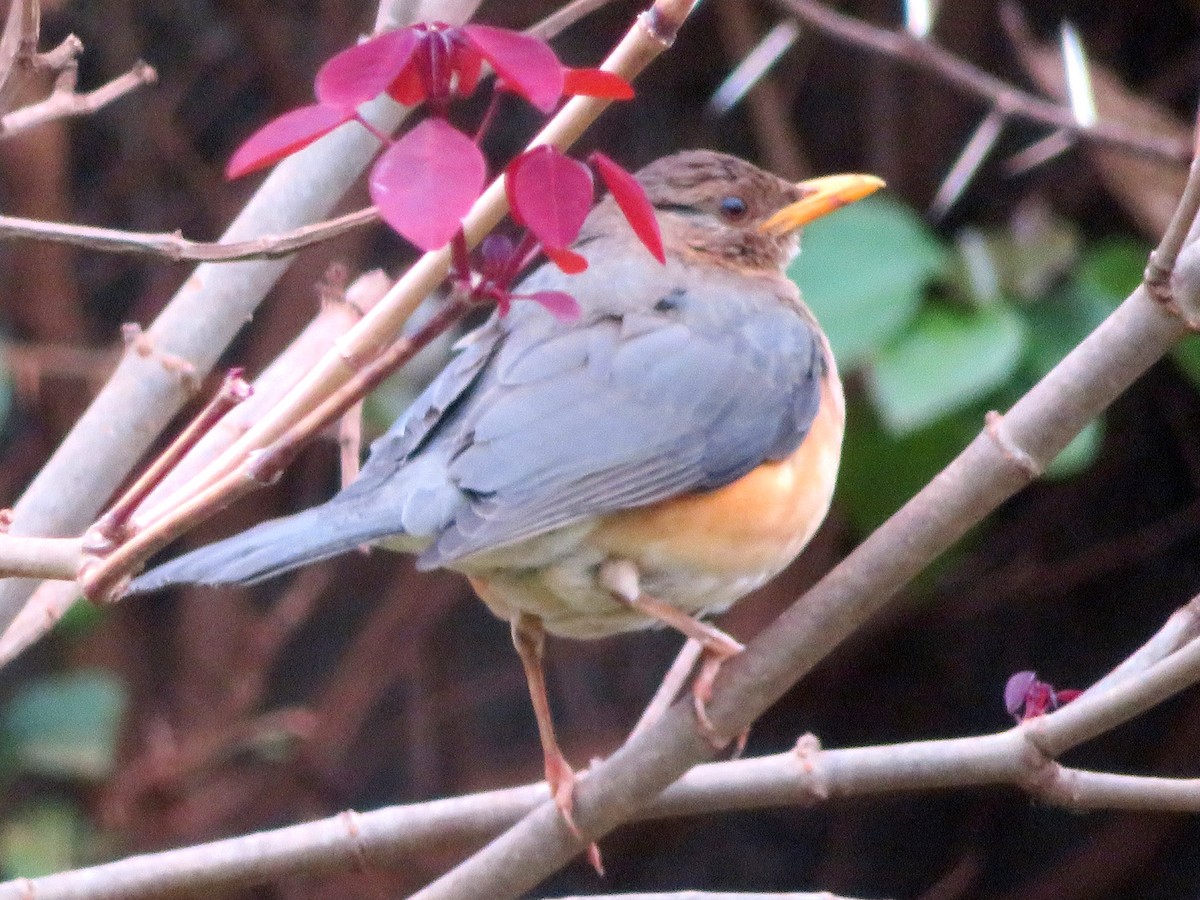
728	211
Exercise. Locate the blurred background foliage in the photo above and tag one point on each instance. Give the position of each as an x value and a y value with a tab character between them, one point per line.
942	330
175	719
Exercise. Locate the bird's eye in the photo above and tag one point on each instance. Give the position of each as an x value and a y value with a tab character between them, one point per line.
733	208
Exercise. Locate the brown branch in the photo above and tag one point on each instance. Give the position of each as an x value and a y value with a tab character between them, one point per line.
1008	100
111	528
52	600
194	328
18	44
64	102
60	57
175	247
807	776
103	577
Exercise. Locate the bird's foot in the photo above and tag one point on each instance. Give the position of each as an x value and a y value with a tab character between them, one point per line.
621	578
561	779
718	648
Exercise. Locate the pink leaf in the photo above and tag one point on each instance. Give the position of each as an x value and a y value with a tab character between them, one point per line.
568	260
526	63
634	204
550	194
559	304
596	83
364	72
284	136
426	182
1016	692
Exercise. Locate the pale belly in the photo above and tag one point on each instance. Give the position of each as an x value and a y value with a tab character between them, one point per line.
699	552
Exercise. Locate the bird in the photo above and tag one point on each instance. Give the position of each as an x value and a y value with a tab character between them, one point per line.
647	464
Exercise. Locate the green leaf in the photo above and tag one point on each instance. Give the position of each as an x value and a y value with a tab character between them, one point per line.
947	361
1022	260
880	471
1110	269
65	726
1187	356
1056	324
863	271
1079	454
42	839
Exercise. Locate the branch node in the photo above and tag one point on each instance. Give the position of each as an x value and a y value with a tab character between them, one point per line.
1011	451
349	818
808	752
61	56
662	21
138	341
1157	279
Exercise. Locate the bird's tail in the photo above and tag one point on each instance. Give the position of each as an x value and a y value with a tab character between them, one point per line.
267	550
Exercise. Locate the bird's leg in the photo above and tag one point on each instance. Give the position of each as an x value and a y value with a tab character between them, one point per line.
529	637
621	578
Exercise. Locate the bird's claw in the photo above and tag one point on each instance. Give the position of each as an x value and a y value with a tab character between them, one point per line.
714	656
561	779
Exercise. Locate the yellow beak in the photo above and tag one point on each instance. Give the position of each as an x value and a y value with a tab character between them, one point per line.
821	196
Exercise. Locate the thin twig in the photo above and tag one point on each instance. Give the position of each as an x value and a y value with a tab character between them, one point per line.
967	164
51	601
64	102
672	683
175	247
100	578
195	327
18	44
1007	99
111	527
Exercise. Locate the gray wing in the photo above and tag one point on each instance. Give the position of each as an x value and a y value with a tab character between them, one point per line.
399	493
537	424
626	410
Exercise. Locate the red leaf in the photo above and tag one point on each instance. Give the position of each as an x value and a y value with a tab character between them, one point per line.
568	260
634	204
285	135
426	182
550	194
467	65
527	64
559	304
409	86
364	72
596	83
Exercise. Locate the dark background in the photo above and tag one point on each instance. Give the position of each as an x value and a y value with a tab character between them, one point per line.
362	683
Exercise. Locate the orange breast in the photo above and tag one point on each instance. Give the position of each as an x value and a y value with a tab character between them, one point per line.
754	525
